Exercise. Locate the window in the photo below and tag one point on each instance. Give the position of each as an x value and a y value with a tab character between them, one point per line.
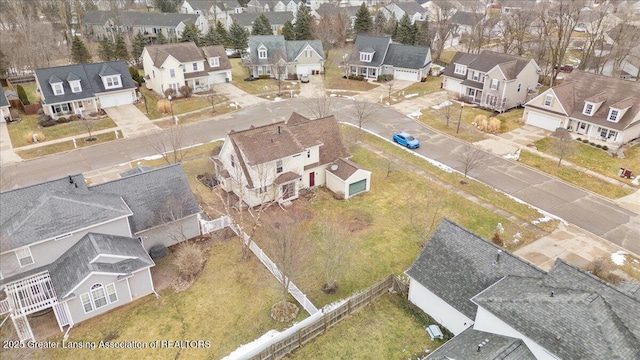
519	87
172	73
111	293
278	166
262	190
233	161
214	62
61	108
460	69
262	53
548	100
195	66
57	89
494	84
86	302
307	53
588	109
75	86
475	76
111	82
24	256
98	295
613	115
366	57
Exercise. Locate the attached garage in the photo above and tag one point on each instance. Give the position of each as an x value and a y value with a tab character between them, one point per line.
307	68
357	187
543	121
406	74
347	179
112	100
218	78
452	84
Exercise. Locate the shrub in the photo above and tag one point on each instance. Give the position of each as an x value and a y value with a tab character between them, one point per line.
135	75
169	92
264	77
605	148
186	91
578	139
93	114
599	146
592	144
28	138
164	106
40	112
356	77
62	120
189	259
585	141
22	95
73	118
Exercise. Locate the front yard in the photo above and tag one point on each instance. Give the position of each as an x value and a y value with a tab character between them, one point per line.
179	105
260	86
41	151
333	77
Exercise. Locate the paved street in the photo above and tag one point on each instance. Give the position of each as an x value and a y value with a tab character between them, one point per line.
586	210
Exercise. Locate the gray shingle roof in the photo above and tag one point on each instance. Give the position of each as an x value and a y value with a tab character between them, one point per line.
275	18
465	346
278	48
411	7
467	18
295	47
89	76
380	44
569	312
511	65
139	18
3	98
408	56
149	195
457	264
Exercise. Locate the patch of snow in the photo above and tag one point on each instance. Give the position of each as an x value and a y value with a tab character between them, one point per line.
541	220
410	96
333	95
415	114
546	216
152	157
442	104
516	237
619	257
277	98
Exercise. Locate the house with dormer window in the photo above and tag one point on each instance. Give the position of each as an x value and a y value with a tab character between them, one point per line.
397	9
594	107
492	80
71	252
274	56
84	88
274	162
379	55
175	65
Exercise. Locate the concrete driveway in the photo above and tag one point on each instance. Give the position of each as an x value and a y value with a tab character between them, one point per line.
131	121
314	88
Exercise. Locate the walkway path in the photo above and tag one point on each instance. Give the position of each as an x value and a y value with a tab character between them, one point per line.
380	94
131	121
241	97
7	155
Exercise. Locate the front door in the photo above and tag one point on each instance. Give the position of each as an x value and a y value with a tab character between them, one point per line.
312	179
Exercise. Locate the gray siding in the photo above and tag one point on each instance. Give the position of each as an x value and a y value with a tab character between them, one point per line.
169	235
141	284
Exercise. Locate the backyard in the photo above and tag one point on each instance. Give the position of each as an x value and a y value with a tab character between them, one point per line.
260	86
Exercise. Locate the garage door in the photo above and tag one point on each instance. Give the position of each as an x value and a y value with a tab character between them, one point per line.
306	69
219	78
357	187
115	100
541	121
401	74
452	85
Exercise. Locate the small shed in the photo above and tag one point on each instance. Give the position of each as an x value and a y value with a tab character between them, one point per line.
346	177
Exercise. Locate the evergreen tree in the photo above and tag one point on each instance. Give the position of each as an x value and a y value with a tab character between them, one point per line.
135	75
261	26
405	31
302	27
222	32
139	42
238	37
161	39
422	33
120	51
79	52
288	31
105	49
363	22
211	38
167	6
22	95
380	24
191	33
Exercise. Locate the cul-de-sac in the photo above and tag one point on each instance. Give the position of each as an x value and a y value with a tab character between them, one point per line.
320	179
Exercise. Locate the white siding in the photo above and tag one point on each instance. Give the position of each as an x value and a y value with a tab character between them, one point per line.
452	84
170	234
437	308
542	120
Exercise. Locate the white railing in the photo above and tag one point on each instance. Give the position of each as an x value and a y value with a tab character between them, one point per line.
32	294
5	306
209	226
21	324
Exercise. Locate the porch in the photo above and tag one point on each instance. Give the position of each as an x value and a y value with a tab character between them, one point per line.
59	110
364	71
471	94
593	133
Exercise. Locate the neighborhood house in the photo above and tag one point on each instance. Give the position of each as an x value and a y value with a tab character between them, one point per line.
273	56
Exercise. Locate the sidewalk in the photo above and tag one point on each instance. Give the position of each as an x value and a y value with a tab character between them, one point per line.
7	155
380	94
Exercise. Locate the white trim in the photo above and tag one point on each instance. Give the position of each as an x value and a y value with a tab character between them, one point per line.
115	292
312	49
26	254
95	288
83	303
54	88
111	256
114	84
129	288
69	317
87	278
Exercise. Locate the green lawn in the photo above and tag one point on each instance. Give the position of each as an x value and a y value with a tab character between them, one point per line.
180	105
422	88
18	131
32	95
64	146
261	86
200	116
333	77
447	56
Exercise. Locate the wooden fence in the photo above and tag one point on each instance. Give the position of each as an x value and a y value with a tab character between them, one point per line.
331	317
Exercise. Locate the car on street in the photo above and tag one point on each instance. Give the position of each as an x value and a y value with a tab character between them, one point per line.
405	139
304	78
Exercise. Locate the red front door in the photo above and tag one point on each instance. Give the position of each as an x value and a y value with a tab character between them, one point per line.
312	179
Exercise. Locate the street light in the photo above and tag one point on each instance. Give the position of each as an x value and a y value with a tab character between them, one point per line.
460	118
170	105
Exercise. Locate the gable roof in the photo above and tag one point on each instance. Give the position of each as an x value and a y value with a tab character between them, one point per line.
379	44
3	98
467	18
465	346
326	133
279	48
90	76
344	168
457	264
410	7
510	65
151	194
569	312
139	18
188	52
254	142
408	56
275	18
295	47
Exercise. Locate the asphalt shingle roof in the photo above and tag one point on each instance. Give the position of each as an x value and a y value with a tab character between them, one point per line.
467	18
254	142
324	131
3	98
510	65
457	264
187	52
379	44
139	18
408	56
275	18
465	346
279	48
344	168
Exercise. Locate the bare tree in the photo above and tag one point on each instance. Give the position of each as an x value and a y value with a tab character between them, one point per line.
319	105
362	110
331	30
444	27
562	144
446	109
424	212
171	144
88	124
390	90
334	251
595	27
280	73
212	98
557	26
470	157
170	213
625	38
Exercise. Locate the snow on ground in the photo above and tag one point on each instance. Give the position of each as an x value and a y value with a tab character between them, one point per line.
516	237
441	105
410	96
619	257
415	114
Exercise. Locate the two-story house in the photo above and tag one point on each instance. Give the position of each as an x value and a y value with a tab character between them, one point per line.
492	80
218	10
593	106
274	162
501	307
79	88
379	55
274	5
99	24
276	20
398	9
84	250
274	56
174	65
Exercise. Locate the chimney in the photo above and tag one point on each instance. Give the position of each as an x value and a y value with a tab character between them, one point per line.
498	256
279	129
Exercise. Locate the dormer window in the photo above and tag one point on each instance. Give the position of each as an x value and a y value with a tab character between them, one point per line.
588	109
262	53
112	82
75	86
214	61
460	70
613	115
57	89
366	56
548	100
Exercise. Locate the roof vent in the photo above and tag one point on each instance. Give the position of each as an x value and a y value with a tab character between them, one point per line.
279	131
498	256
70	180
334	167
551	294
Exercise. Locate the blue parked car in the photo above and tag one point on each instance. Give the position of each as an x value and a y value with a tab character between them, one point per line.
405	139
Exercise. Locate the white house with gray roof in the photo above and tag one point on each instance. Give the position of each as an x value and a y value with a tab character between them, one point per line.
83	251
5	111
276	20
379	55
79	89
398	9
218	10
274	56
501	307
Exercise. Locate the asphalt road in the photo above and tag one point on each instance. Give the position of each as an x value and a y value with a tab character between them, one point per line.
586	210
